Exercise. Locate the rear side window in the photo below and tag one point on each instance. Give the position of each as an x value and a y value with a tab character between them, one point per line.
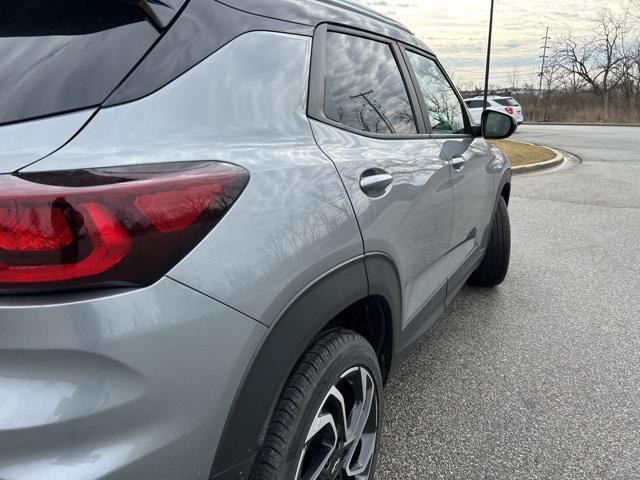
443	106
474	103
364	89
58	56
506	102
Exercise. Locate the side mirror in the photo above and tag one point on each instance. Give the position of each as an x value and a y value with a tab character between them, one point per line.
497	125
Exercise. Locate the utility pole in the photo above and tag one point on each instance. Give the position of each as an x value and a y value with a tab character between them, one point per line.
376	109
544	59
486	73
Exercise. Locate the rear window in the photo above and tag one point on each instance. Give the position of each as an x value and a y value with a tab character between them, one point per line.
364	87
506	102
58	56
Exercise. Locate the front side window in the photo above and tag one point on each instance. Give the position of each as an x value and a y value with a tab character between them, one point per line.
364	89
443	106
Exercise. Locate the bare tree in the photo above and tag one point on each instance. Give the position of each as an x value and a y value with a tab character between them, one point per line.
586	79
630	72
597	62
514	80
634	9
551	80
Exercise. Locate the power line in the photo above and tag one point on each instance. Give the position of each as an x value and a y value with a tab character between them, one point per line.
480	71
537	14
384	118
503	73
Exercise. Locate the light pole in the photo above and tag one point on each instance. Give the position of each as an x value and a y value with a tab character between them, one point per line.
486	73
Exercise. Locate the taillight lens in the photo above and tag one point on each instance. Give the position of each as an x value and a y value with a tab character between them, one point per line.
509	110
108	227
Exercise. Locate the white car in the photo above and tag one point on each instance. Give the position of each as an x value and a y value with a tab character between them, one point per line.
494	102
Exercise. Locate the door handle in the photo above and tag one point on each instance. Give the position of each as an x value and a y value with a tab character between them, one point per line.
458	163
375	181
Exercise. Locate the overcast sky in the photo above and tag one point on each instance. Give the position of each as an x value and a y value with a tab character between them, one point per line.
457	30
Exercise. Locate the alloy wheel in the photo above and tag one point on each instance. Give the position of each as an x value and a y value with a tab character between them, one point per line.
341	441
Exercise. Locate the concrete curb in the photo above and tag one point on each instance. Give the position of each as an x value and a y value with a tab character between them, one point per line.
558	160
569	124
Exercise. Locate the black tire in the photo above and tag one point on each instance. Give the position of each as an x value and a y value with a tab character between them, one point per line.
493	269
306	395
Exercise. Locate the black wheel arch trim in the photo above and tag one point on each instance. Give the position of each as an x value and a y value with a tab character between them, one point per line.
287	339
503	180
384	281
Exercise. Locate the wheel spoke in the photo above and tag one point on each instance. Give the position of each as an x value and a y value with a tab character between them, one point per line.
339	398
363	441
319	423
363	462
323	435
342	436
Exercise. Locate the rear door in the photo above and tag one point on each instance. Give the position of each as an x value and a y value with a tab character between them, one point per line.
471	162
365	117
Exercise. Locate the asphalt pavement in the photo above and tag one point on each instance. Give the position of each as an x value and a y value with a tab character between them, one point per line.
540	377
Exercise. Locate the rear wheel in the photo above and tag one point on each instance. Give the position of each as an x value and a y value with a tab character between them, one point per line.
493	269
325	426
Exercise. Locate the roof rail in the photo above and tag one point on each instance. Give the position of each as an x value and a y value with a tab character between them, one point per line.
357	7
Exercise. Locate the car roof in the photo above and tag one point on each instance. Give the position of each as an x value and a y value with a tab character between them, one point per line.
344	12
356	7
491	97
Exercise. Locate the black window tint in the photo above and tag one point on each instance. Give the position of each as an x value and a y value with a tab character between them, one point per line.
34	18
58	56
443	106
474	103
503	101
364	88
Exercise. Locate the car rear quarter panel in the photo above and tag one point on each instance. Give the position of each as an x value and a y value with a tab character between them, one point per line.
245	104
27	142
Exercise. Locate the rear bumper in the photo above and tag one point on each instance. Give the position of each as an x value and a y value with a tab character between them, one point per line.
134	385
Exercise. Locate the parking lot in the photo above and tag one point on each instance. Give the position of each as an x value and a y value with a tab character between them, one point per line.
539	378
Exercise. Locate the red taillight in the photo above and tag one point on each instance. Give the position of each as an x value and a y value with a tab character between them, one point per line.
509	110
108	227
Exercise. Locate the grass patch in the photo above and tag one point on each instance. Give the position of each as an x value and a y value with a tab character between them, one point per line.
520	153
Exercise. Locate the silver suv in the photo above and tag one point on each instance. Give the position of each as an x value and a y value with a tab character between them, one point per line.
222	224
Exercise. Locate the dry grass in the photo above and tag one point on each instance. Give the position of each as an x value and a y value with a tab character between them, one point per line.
523	153
583	107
